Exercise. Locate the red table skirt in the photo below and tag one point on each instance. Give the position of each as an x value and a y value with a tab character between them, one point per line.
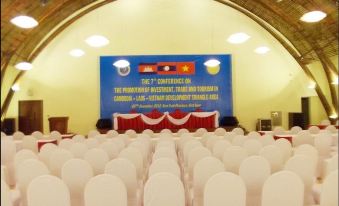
324	126
42	142
289	138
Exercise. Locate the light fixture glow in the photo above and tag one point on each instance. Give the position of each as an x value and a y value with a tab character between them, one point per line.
212	63
76	52
25	22
333	116
313	16
262	50
15	87
335	80
238	38
312	85
97	41
121	63
24	66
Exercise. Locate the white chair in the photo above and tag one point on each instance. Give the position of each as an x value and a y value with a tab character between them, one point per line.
8	151
105	190
78	149
57	160
149	132
66	143
166	131
332	165
101	138
323	144
135	156
314	129
131	133
303	137
220	131
37	135
78	138
278	130
56	135
211	140
194	156
309	151
295	130
166	144
92	133
18	135
164	189
303	166
119	142
225	189
285	146
252	146
30	142
329	193
188	147
331	129
112	133
91	143
254	171
26	172
165	153
239	140
220	147
46	151
182	131
325	122
97	158
23	155
233	157
238	131
125	138
164	165
48	190
267	140
199	132
283	188
111	149
3	134
5	194
203	170
165	136
254	135
76	180
274	156
230	136
126	171
142	148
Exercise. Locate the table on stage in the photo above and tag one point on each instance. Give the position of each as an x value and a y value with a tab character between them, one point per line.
156	120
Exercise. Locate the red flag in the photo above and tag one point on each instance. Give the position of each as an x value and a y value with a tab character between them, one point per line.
186	68
147	68
167	68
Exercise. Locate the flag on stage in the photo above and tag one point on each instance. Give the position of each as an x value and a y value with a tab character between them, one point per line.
167	68
186	68
147	68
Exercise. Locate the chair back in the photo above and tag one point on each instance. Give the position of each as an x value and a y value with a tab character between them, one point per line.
111	149
48	190
252	146
78	149
78	138
46	151
93	133
285	146
23	155
57	160
233	157
267	140
164	152
135	156
195	155
112	133
220	131
66	143
30	142
239	140
6	199
329	192
220	147
295	130
97	158
37	135
18	135
238	131
314	129
92	143
274	156
164	165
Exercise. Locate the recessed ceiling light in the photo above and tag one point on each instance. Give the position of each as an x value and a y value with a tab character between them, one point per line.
24	66
238	38
97	41
262	50
25	22
121	63
15	87
212	63
76	52
313	16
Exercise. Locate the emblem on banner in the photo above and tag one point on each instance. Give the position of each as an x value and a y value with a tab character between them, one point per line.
123	67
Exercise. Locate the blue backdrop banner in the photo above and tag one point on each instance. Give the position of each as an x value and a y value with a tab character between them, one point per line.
165	83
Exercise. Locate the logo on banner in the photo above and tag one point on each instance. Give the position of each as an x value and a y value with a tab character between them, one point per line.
167	68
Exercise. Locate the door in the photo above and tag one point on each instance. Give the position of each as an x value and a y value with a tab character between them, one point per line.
305	109
30	116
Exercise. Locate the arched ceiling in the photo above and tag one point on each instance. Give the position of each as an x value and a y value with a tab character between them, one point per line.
311	41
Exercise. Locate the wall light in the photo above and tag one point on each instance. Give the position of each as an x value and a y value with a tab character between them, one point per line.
238	38
313	16
335	80
262	50
24	66
97	41
25	22
312	85
333	116
15	87
121	63
212	63
76	52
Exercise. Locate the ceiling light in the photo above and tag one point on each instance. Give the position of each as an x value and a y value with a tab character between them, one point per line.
238	38
97	41
121	63
262	50
15	87
24	66
76	52
335	80
25	22
333	116
312	85
313	16
212	63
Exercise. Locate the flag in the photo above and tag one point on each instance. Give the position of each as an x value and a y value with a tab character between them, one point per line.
167	68
147	68
186	68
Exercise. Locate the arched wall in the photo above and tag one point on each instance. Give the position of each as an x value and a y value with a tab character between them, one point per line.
70	86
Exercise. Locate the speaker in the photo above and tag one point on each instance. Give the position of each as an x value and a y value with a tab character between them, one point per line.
229	121
104	124
8	126
264	125
296	119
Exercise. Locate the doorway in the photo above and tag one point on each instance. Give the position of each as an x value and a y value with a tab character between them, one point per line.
30	116
305	109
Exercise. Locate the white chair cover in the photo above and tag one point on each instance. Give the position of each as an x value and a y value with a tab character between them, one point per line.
295	130
194	156
220	147
314	129
111	149
285	146
135	156
274	156
252	146
199	132
112	133
58	159
78	149
239	140
131	133
66	143
48	190
92	133
5	194
18	135
233	157
164	165
78	138
267	140
30	142
329	193
46	151
37	135
225	189
91	143
238	131
97	158
220	131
